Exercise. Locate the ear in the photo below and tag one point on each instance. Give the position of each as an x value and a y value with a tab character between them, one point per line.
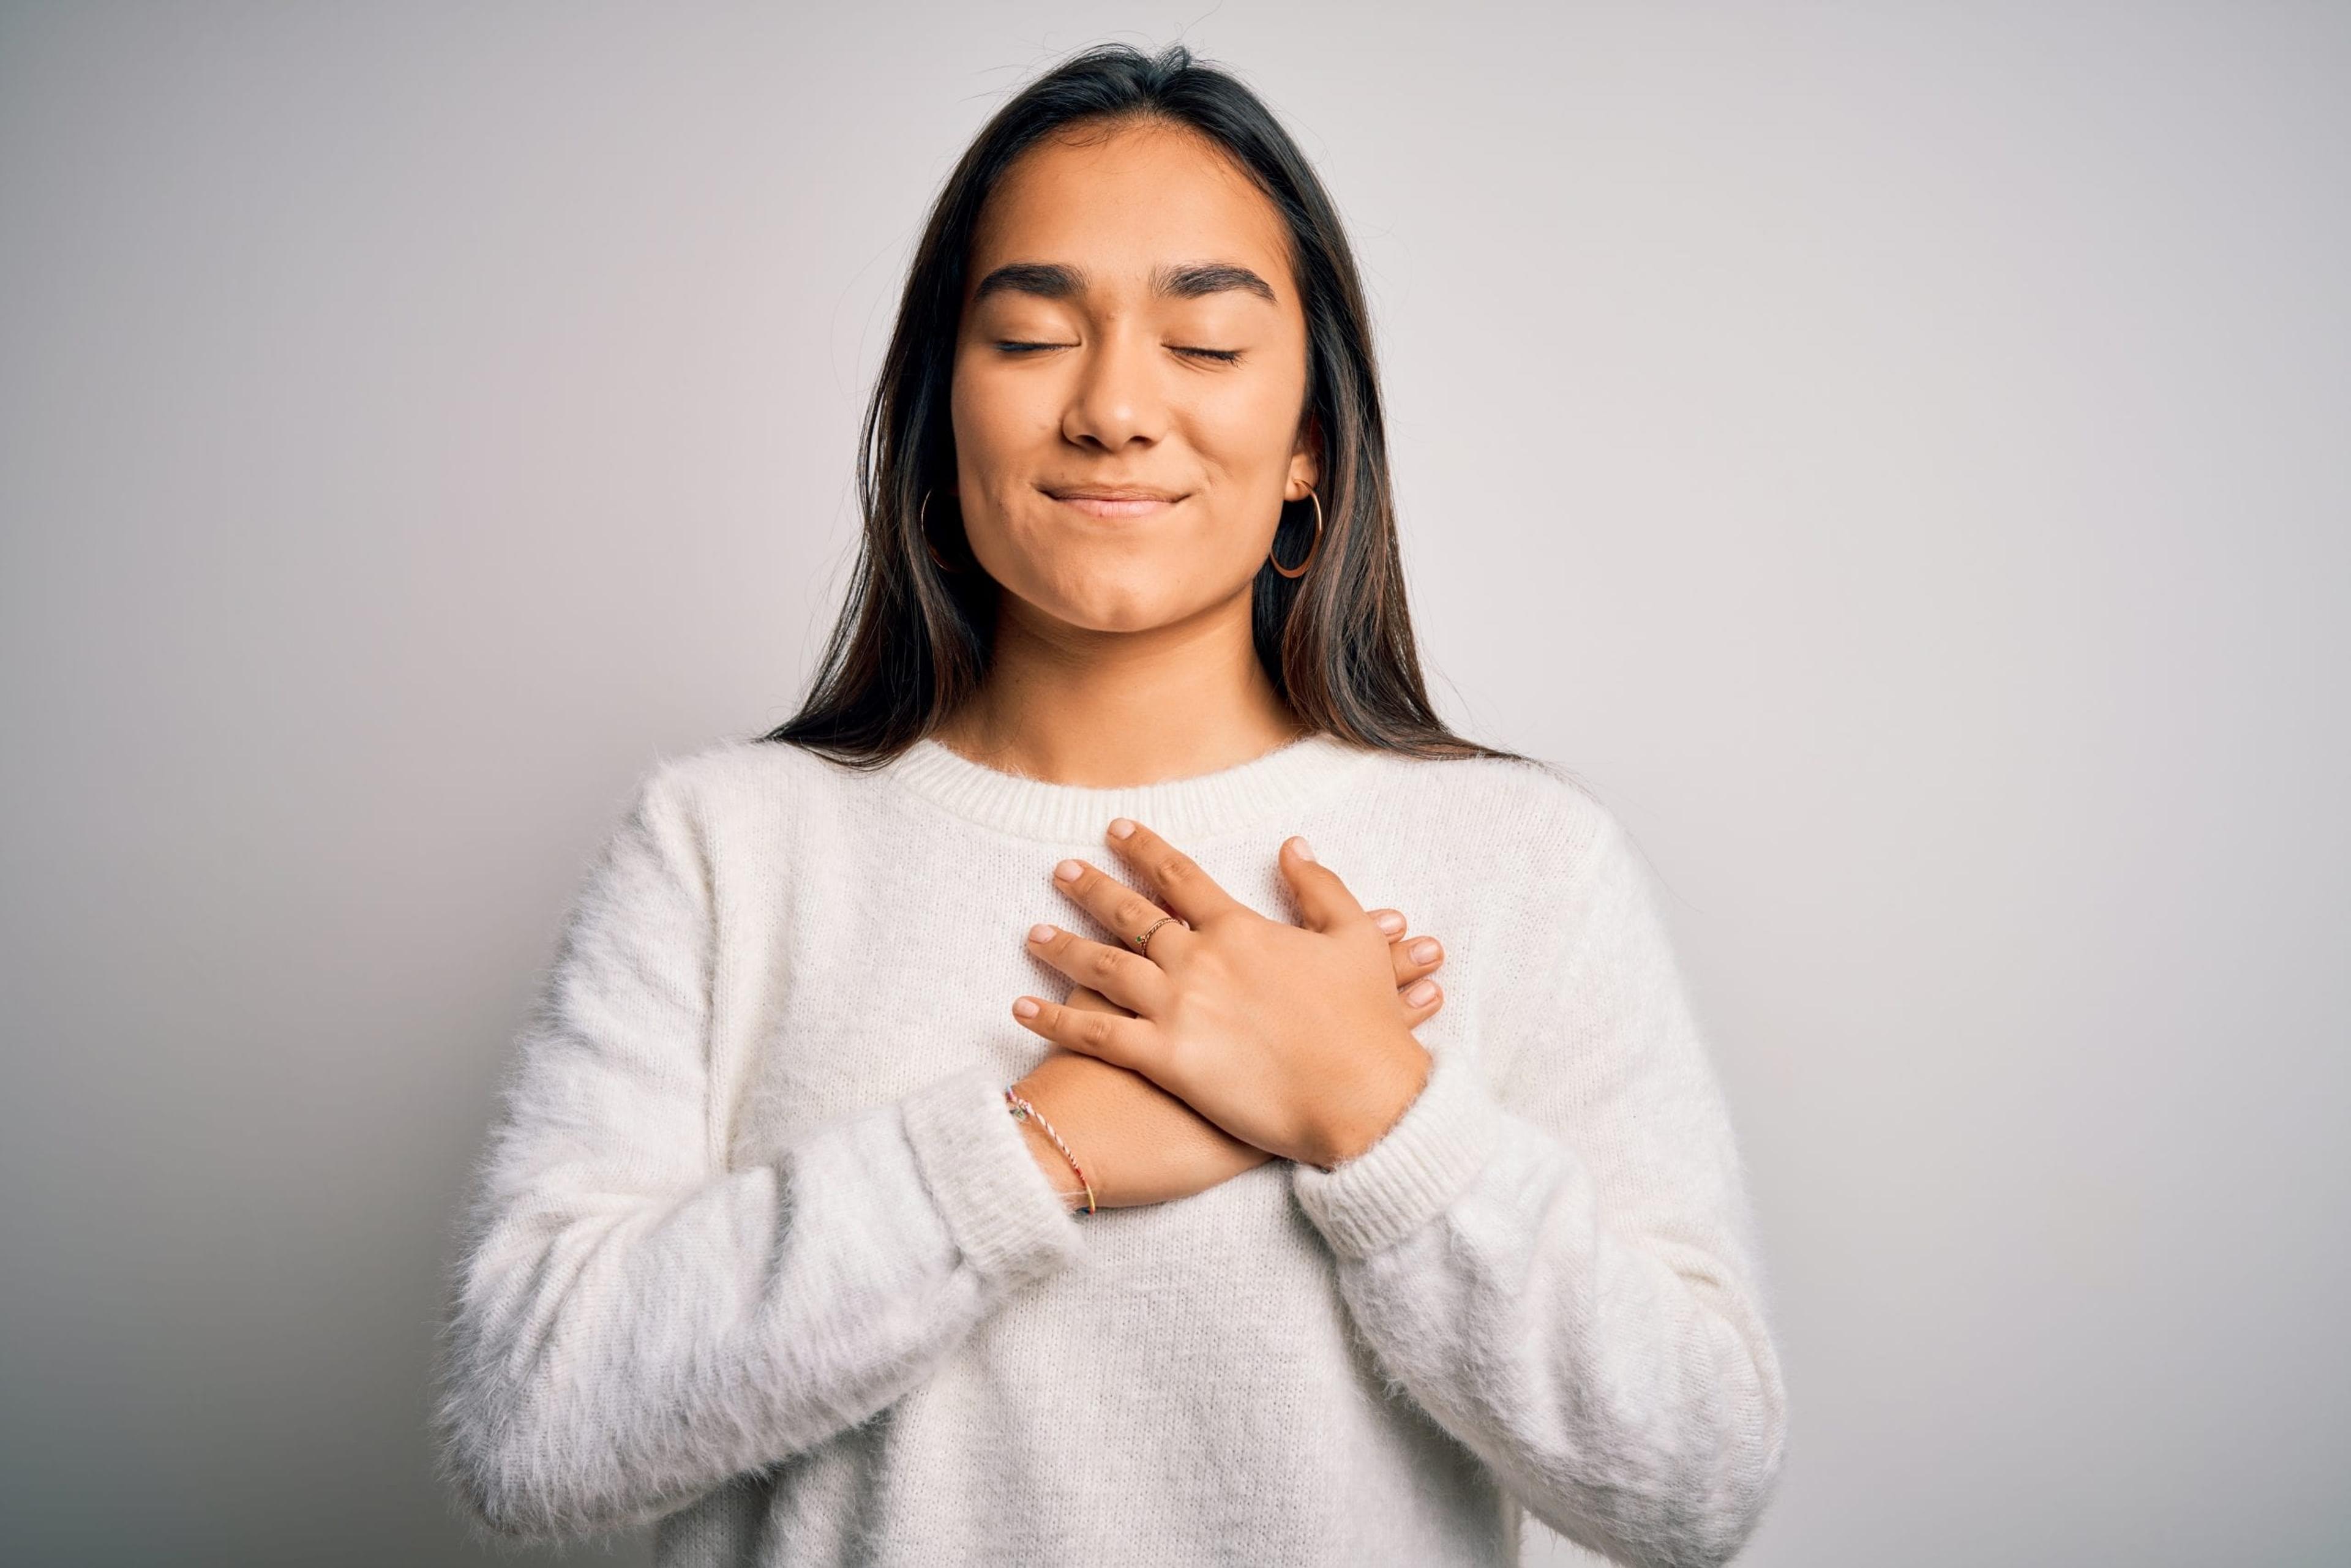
1305	460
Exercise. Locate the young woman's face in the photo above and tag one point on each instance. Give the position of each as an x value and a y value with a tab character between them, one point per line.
1130	377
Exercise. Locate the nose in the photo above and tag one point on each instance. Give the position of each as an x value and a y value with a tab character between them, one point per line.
1117	400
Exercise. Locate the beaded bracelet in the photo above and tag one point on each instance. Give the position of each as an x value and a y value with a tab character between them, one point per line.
1023	1110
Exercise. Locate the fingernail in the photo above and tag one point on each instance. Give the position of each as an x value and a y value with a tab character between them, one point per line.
1418	996
1423	951
1305	851
1040	933
1390	923
1120	827
1069	870
1024	1008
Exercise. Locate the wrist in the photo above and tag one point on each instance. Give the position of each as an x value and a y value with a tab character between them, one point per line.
1061	1174
1379	1104
1052	1165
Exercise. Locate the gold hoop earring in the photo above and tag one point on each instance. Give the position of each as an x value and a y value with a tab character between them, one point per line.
1300	570
923	525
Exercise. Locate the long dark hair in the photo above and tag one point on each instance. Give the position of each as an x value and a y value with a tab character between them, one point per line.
913	641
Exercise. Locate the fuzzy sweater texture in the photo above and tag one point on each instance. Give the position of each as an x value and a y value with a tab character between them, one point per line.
756	1254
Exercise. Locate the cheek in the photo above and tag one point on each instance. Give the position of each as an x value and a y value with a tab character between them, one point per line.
969	411
986	408
1248	429
993	417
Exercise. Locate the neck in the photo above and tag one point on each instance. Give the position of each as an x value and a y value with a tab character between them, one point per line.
1102	709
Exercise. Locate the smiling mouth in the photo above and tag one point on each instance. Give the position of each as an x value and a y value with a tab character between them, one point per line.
1115	500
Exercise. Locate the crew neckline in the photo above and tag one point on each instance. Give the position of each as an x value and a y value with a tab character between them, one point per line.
1265	788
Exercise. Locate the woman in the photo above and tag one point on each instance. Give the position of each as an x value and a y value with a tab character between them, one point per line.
867	1190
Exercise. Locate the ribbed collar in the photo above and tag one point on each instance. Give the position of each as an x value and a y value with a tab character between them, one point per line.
1268	788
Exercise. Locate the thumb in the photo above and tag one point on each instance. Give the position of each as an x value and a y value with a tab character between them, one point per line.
1323	899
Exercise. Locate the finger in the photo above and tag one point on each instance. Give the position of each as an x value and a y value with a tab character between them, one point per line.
1173	876
1085	998
1107	1037
1416	1011
1414	958
1120	974
1128	913
1323	900
1390	922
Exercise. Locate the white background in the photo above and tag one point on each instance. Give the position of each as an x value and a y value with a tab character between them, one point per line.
1895	453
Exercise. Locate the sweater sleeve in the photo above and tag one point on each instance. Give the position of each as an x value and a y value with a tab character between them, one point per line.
634	1323
1564	1272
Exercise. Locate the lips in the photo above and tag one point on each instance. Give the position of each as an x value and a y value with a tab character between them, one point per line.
1113	500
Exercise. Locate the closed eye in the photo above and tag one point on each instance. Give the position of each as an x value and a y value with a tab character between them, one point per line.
1221	356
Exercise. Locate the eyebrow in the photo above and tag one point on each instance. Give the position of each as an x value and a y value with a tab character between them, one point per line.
1051	280
1190	282
1046	280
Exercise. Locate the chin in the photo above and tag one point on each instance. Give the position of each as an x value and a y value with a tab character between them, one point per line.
1113	606
1128	615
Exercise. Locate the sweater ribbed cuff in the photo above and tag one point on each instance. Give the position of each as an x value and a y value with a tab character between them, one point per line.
1003	1213
1417	1167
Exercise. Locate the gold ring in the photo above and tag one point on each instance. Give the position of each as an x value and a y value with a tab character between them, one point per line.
1143	943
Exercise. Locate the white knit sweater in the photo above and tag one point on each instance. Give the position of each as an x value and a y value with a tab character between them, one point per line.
756	1250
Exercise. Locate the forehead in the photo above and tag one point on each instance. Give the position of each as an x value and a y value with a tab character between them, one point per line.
1118	204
